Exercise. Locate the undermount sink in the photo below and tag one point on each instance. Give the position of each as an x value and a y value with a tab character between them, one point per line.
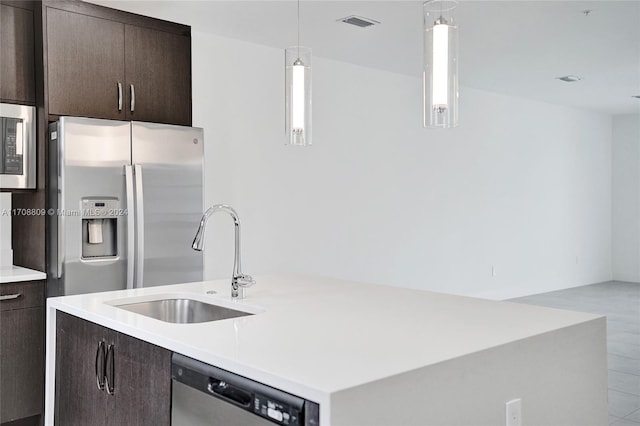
182	310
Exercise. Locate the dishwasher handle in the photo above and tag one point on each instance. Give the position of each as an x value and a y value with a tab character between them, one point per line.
230	393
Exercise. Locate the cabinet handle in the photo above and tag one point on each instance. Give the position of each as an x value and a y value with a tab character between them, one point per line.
100	369
110	385
119	96
133	98
10	296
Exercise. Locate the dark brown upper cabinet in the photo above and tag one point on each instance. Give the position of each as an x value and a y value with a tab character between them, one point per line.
158	75
104	63
85	65
17	78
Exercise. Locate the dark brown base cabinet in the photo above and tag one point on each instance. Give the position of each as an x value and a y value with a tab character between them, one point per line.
21	351
138	377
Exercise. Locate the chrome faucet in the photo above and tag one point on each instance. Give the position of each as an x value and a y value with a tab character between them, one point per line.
239	280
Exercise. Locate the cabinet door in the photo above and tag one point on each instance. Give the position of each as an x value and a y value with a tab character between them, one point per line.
17	81
21	363
85	63
158	65
78	399
142	383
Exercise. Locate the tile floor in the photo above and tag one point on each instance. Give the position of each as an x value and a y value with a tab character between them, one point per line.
620	302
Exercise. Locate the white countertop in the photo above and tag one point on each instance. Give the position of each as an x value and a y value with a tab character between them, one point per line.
316	336
18	274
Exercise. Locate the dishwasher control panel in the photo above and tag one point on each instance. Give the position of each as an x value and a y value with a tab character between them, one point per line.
276	410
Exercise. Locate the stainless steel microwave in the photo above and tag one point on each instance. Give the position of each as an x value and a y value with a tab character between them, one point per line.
17	146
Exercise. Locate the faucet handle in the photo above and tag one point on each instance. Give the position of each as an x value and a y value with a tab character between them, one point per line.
244	280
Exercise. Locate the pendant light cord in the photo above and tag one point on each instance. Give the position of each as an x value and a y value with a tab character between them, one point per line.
298	29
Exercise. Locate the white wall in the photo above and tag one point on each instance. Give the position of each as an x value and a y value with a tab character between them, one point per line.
626	198
521	186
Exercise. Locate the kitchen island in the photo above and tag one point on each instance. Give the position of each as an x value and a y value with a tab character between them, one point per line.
378	355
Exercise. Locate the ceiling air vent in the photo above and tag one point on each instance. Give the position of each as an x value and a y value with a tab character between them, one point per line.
359	21
569	78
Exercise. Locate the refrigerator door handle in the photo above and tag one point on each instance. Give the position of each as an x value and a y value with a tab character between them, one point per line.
60	212
61	236
139	227
131	236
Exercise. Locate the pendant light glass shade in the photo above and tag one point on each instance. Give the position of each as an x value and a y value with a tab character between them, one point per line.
297	95
440	73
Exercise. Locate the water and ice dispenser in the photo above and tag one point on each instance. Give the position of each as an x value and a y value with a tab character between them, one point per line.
99	228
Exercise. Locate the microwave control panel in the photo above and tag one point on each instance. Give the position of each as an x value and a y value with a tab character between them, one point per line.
12	146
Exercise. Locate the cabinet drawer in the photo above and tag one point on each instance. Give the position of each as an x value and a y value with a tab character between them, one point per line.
26	294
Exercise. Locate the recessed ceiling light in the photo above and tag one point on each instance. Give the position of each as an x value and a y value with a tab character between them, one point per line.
359	21
569	78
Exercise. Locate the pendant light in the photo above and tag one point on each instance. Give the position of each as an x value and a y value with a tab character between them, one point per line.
440	73
297	93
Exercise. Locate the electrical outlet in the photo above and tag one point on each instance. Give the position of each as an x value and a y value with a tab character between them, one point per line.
493	271
513	412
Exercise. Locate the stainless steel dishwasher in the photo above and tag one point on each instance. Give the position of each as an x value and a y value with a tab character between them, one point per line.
207	395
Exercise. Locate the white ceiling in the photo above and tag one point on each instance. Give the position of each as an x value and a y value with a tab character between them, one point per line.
511	47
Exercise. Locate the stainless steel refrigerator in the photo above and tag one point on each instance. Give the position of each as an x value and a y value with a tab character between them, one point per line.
125	200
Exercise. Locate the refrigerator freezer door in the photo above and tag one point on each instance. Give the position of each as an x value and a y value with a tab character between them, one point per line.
169	162
92	155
